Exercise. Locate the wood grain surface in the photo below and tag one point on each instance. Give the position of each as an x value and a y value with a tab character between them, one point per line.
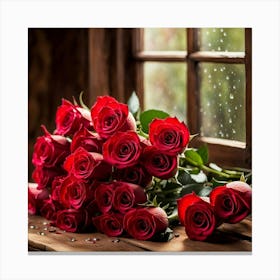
227	238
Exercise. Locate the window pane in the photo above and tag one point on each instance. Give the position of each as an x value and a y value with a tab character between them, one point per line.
165	88
165	39
222	39
222	101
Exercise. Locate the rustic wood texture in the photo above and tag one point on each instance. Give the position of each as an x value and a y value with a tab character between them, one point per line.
227	238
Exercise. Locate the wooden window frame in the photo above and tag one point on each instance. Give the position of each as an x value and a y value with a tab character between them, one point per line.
222	151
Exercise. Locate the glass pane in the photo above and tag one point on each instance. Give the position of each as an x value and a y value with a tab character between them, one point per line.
165	88
222	39
164	39
222	101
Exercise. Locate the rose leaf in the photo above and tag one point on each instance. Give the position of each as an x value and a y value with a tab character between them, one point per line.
193	157
146	118
203	152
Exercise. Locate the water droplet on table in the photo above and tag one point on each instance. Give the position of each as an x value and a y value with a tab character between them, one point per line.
73	239
176	234
116	241
41	233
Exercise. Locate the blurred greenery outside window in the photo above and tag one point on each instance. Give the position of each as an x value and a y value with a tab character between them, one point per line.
202	76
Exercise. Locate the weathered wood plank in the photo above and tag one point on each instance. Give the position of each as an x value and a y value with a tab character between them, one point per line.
227	238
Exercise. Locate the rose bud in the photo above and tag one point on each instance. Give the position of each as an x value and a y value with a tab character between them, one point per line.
169	135
144	223
230	204
72	220
44	176
90	141
122	149
104	196
109	116
84	165
50	150
70	118
35	198
197	216
136	174
158	164
127	196
109	223
48	209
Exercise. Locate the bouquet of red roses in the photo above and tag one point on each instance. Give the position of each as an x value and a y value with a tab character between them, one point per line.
103	170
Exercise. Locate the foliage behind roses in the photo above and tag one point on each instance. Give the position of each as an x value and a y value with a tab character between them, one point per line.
107	170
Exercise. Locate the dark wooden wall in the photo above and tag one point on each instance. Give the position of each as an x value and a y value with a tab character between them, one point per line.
57	67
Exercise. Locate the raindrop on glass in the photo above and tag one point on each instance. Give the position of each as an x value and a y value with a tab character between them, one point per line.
231	96
230	120
227	77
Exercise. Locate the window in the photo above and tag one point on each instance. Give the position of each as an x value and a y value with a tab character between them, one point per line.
204	77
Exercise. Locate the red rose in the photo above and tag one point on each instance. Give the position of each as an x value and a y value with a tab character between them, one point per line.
90	141
50	150
84	165
136	174
122	149
73	193
44	176
104	196
48	209
169	135
35	198
197	216
55	190
158	164
70	118
109	116
230	204
127	196
72	220
109	223
144	223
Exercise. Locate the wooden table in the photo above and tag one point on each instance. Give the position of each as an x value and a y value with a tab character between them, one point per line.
227	238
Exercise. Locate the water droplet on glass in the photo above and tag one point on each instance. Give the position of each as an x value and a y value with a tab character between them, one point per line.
235	108
221	30
227	135
209	76
215	69
234	87
220	94
205	70
221	40
225	34
209	44
208	104
73	239
219	48
231	96
221	125
230	120
227	77
215	116
214	86
229	110
221	69
116	240
233	131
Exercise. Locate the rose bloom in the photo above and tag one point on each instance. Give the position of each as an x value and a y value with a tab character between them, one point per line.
197	216
90	141
72	220
104	196
127	196
55	190
122	149
84	165
44	176
73	193
35	198
158	164
50	150
136	174
144	223
48	209
169	135
232	202
109	116
109	223
70	118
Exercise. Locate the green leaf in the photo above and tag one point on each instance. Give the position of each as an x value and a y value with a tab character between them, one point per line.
203	152
171	186
184	177
146	118
217	183
205	191
82	102
193	157
200	177
191	188
133	103
165	236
